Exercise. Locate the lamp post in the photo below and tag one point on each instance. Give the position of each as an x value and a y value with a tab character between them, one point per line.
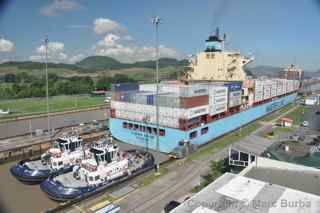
46	42
156	21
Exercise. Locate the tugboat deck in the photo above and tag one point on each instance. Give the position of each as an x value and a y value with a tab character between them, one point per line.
37	165
68	180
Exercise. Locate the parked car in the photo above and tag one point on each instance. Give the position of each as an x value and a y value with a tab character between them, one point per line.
108	99
170	206
305	123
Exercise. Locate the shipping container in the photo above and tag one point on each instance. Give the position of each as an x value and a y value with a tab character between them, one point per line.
195	101
233	86
193	90
218	108
148	87
195	112
123	87
169	100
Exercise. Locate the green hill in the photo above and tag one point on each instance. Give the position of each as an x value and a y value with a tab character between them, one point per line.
100	63
30	65
105	62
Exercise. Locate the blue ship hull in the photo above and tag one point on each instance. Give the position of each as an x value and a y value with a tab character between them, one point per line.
30	176
215	129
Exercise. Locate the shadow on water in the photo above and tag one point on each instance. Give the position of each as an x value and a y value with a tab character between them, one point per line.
3	208
18	197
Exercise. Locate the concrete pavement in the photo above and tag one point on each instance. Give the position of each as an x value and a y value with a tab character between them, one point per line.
22	127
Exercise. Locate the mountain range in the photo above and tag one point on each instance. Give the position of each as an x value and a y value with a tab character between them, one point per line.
97	64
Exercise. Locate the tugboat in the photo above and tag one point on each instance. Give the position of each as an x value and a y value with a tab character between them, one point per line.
103	167
66	152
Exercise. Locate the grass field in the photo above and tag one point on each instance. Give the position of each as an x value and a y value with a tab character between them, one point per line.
297	114
38	105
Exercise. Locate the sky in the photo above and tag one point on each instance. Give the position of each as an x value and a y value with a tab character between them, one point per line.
276	32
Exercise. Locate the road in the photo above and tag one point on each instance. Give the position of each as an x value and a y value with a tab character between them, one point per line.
15	128
312	118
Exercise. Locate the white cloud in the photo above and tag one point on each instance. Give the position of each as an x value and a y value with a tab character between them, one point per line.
58	6
119	48
109	40
6	45
55	53
104	25
76	58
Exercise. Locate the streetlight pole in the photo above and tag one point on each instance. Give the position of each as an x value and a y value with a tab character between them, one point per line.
156	21
46	42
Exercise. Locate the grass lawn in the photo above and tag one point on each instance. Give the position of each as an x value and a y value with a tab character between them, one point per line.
297	114
57	103
224	141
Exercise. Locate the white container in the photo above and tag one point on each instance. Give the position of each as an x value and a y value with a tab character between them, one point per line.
193	90
234	102
218	108
195	112
148	87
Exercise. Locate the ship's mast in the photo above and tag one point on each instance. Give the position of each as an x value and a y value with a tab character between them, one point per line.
156	21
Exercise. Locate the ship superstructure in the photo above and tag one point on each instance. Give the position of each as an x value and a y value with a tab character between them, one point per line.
217	64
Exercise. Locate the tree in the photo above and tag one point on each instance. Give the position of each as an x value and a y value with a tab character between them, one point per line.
10	78
104	83
217	168
120	78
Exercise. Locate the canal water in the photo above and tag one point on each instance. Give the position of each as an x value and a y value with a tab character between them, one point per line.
16	197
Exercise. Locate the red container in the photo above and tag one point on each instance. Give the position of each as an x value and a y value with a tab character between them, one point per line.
190	102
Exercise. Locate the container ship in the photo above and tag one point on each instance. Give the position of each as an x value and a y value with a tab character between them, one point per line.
214	96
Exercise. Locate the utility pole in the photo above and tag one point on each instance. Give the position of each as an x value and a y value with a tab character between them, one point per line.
46	42
156	21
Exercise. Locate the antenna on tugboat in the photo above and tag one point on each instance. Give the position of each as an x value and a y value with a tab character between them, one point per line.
156	21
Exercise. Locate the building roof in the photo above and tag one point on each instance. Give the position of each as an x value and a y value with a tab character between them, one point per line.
306	181
286	119
239	194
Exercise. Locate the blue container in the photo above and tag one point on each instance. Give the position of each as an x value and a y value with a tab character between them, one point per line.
150	99
123	87
125	97
233	86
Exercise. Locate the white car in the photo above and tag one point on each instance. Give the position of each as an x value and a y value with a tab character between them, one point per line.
108	99
4	112
305	123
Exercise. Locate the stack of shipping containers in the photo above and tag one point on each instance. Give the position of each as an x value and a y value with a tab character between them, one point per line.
267	84
234	94
258	90
186	106
218	99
